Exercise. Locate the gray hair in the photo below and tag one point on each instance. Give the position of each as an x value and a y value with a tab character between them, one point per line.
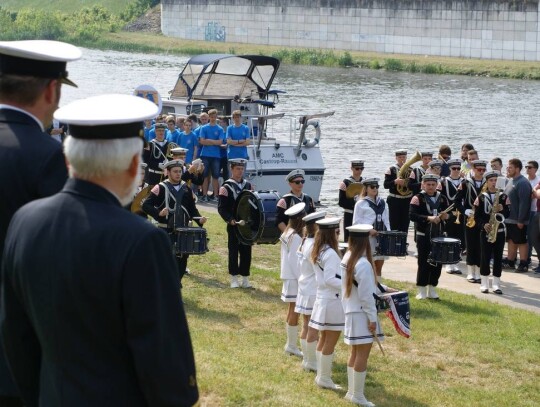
100	158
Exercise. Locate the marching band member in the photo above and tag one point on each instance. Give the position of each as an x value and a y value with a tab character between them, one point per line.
291	239
454	226
171	204
398	205
307	291
192	172
415	178
239	254
361	322
154	155
372	210
357	167
468	191
296	181
327	316
484	206
425	211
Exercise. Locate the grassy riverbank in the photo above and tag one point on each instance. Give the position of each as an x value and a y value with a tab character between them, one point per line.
463	351
146	42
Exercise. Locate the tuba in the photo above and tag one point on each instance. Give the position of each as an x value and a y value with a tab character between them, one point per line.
405	172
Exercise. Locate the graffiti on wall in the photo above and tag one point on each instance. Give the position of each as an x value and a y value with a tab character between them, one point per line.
214	32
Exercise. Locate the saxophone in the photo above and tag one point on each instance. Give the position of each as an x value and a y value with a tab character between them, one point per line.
495	219
405	172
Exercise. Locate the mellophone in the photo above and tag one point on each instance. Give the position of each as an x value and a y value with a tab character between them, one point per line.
255	214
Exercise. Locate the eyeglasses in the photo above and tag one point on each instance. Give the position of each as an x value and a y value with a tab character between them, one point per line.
374	186
480	169
455	168
299	182
358	168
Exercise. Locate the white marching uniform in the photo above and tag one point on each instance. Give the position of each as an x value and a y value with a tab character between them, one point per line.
327	312
290	270
307	282
359	307
364	214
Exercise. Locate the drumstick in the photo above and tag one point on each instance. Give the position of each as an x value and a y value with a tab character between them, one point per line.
379	343
241	222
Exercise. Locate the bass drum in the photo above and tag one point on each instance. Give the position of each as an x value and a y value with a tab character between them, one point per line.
258	211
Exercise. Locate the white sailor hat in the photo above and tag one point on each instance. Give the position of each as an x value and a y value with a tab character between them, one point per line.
179	150
491	174
479	163
160	126
296	210
357	163
400	152
430	177
171	164
295	174
143	166
329	223
38	58
107	116
238	162
454	161
435	163
362	229
426	153
313	217
370	181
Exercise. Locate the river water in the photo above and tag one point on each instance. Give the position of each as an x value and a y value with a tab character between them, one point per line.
376	112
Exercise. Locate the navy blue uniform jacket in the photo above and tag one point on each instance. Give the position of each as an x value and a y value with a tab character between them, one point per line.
92	313
32	166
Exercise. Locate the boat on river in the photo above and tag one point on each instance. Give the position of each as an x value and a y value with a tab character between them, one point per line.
282	141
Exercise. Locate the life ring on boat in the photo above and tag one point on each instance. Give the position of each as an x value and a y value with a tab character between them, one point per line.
311	142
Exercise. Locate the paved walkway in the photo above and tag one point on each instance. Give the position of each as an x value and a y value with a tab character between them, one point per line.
520	290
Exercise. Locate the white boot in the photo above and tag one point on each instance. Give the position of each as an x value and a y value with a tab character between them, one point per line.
350	383
484	284
318	354
477	277
324	376
358	397
310	359
470	274
497	285
245	282
421	293
292	336
432	293
234	282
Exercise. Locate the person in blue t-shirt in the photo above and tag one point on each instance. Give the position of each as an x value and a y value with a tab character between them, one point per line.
188	140
148	126
211	137
238	137
196	126
172	134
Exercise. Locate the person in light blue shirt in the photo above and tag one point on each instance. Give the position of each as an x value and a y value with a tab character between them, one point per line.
172	134
188	140
148	126
211	137
197	125
238	137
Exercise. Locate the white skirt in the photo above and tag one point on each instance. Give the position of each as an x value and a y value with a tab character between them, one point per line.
356	329
327	315
289	292
304	304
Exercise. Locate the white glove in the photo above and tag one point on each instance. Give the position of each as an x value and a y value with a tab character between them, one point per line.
468	212
356	197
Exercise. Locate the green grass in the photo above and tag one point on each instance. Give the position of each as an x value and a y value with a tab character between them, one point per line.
66	6
464	351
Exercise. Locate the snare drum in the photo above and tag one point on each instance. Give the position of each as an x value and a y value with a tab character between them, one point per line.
258	210
445	250
392	243
191	241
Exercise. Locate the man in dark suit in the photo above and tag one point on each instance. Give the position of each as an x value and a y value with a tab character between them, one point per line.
91	308
32	163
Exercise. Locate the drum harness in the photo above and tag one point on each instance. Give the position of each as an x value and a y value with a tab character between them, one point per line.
177	220
432	205
488	205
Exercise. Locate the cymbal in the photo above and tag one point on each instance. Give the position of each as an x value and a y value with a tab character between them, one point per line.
354	189
136	205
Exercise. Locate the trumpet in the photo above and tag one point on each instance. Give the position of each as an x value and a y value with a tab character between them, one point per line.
471	223
456	213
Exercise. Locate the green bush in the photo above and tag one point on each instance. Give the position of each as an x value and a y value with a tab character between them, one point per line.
345	59
392	64
374	64
432	68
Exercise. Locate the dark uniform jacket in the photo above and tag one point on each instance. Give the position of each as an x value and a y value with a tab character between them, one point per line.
153	157
32	166
450	191
467	193
423	206
228	193
289	200
92	310
343	201
482	213
389	177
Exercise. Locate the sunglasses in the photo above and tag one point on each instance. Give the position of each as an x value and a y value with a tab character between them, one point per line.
374	186
455	168
299	182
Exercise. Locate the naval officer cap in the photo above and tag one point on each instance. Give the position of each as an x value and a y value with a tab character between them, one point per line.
491	174
357	163
454	162
179	150
238	162
479	163
426	154
400	152
296	211
173	163
313	217
295	174
361	229
329	223
430	177
435	163
160	126
370	181
107	117
38	58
